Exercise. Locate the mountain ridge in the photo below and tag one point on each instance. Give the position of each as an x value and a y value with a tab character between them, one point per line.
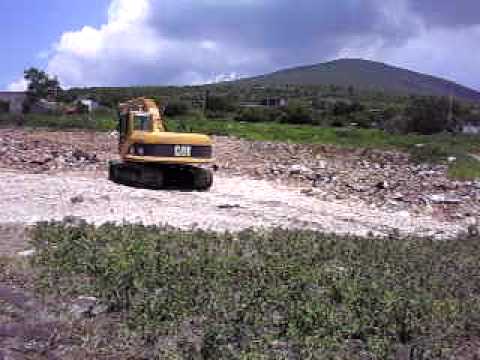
366	75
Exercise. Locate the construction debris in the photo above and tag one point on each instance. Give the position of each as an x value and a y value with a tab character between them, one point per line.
382	179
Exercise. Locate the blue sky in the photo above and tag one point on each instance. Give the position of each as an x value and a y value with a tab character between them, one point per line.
160	42
31	27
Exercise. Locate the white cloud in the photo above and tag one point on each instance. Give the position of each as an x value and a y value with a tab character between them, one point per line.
128	50
159	42
19	85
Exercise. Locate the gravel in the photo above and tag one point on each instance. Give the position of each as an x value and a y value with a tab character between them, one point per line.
49	175
233	203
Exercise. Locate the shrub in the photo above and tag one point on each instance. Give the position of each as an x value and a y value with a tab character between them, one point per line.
270	294
4	107
429	153
177	108
258	114
220	104
430	115
296	112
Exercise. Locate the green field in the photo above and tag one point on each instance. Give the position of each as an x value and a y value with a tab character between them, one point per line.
268	294
436	148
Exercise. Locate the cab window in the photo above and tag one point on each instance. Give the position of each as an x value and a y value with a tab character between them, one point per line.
142	122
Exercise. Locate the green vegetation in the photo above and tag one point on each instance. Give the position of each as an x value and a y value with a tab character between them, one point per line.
270	294
40	86
465	168
102	120
307	134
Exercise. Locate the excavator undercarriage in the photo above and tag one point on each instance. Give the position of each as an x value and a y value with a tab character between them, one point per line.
158	176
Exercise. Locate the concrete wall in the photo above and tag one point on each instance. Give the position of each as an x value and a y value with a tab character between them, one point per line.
15	99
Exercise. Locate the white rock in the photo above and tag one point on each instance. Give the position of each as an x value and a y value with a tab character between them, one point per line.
443	199
26	253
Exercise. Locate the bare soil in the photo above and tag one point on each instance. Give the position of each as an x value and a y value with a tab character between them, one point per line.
50	175
45	176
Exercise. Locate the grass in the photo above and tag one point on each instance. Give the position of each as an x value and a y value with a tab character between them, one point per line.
326	135
465	168
100	121
435	148
269	294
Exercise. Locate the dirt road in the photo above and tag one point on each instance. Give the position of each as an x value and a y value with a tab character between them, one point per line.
233	203
49	175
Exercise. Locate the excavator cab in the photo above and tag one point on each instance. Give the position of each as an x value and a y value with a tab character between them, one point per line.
154	158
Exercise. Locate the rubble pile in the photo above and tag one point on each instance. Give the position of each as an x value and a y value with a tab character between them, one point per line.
384	179
47	152
379	178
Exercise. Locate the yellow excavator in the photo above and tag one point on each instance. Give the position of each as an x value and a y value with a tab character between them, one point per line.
152	157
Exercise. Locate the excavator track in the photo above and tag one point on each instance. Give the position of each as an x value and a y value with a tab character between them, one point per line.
160	176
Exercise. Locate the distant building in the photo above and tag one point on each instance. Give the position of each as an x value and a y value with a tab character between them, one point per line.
274	102
89	103
43	106
14	100
471	128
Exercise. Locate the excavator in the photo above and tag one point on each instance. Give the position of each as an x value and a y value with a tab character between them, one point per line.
154	158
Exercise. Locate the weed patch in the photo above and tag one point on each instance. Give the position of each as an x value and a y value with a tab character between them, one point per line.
270	294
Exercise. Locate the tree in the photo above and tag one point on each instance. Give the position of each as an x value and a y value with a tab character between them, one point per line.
41	85
177	108
296	112
430	115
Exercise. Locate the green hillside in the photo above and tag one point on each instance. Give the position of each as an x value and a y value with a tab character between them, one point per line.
365	75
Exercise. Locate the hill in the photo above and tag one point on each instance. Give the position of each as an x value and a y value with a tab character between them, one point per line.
366	75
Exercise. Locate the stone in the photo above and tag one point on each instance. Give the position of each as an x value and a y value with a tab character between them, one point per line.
443	199
382	185
229	206
26	253
77	199
473	231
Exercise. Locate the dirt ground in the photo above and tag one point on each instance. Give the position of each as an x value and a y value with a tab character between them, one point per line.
50	175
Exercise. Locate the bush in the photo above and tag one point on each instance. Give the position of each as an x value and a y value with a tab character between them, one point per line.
429	153
345	108
4	107
258	114
430	115
270	294
220	104
177	108
296	112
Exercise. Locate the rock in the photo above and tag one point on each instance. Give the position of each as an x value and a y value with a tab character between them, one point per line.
77	199
229	206
322	164
83	306
473	231
299	170
99	309
26	253
382	185
87	306
443	199
310	192
451	159
74	221
397	196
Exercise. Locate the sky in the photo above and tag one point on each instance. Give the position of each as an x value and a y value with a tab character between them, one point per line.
180	42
